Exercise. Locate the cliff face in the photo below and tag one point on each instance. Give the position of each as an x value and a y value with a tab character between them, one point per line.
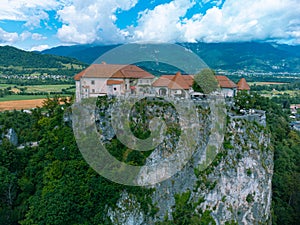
234	189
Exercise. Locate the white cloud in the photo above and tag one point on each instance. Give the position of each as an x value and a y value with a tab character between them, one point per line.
88	21
25	35
92	21
35	20
38	37
8	38
34	36
237	20
29	11
39	48
240	20
162	23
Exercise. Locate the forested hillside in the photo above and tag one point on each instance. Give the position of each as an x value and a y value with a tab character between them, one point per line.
11	56
14	62
50	183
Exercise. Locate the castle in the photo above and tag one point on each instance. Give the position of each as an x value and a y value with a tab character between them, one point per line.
111	79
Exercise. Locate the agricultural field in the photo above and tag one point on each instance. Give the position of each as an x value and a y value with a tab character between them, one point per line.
26	103
265	83
27	97
9	98
284	94
37	89
275	93
45	88
22	104
2	86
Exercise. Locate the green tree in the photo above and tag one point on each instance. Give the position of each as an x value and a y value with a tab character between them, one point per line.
205	82
8	195
286	144
243	100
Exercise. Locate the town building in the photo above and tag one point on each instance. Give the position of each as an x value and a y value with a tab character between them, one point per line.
294	108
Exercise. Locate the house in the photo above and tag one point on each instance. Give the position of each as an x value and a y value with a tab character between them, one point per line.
294	108
173	85
242	85
227	86
109	79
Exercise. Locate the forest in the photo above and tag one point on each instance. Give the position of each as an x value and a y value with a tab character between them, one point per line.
13	57
52	184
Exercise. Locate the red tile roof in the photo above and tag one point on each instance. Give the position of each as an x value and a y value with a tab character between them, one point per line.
162	81
243	85
79	75
225	82
115	71
189	79
177	81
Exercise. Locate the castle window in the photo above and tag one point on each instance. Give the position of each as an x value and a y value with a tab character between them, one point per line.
92	82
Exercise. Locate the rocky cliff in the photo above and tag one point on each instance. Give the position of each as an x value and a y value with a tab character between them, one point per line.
234	189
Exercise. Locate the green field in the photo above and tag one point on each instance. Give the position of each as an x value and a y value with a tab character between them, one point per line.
34	91
265	83
3	86
39	88
21	97
26	97
275	93
47	88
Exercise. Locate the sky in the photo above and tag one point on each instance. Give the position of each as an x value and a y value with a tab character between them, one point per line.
41	24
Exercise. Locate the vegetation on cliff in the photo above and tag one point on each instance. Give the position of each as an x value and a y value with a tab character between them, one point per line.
52	184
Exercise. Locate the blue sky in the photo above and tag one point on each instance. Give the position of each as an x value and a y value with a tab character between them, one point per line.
41	24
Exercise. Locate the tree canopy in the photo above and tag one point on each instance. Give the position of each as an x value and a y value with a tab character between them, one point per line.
205	82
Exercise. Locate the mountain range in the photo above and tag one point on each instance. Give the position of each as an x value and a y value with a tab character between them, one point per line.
248	56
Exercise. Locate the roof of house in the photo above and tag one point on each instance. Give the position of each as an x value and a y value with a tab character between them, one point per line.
243	85
112	70
295	106
177	81
189	79
225	82
162	81
114	82
79	75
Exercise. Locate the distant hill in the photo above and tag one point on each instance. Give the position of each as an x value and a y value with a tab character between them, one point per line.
250	56
11	56
84	53
15	61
